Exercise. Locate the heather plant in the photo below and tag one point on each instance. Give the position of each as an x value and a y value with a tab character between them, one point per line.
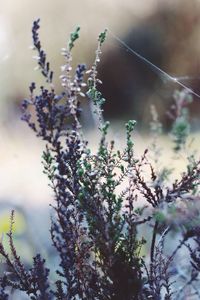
103	200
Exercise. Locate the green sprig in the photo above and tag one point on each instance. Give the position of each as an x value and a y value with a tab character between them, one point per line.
73	37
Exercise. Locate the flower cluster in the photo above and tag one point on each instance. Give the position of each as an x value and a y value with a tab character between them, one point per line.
103	200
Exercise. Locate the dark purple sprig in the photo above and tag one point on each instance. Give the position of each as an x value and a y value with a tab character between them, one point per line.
41	58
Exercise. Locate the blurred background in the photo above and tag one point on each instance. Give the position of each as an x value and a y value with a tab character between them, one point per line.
166	32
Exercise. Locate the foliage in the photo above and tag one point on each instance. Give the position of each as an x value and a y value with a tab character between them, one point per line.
103	200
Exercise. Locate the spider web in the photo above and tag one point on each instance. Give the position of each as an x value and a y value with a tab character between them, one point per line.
160	72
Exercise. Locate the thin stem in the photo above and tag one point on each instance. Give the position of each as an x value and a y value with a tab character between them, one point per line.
153	240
